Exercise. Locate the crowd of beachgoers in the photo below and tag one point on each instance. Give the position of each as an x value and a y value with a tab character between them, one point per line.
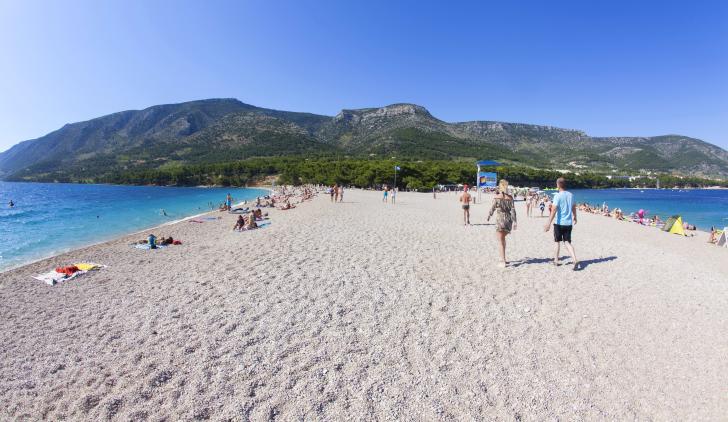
283	198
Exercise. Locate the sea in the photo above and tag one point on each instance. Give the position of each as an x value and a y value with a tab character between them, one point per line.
51	218
705	208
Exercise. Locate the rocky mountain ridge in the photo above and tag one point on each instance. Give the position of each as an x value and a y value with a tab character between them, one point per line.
217	130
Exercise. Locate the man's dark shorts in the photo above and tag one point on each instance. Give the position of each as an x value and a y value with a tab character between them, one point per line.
562	233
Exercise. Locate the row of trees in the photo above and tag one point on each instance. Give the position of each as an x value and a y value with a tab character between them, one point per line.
418	175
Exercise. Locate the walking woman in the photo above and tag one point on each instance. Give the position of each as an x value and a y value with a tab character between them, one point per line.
505	219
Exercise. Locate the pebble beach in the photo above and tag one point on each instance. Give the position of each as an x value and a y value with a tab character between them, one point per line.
363	310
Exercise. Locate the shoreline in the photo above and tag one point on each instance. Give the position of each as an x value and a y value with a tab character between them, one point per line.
115	237
270	189
698	233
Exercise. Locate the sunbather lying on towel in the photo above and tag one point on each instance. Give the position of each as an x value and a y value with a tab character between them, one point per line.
288	206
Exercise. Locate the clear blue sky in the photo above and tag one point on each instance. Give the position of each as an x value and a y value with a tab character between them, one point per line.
609	67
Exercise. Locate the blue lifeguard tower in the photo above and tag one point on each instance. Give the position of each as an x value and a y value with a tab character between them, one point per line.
486	178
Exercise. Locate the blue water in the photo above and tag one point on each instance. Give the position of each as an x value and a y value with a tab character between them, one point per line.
49	218
702	207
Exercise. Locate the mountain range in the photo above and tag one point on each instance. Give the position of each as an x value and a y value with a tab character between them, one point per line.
223	130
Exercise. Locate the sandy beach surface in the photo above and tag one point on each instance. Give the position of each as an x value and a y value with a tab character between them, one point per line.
368	311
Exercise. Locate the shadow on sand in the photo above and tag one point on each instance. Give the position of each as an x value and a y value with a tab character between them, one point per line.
582	264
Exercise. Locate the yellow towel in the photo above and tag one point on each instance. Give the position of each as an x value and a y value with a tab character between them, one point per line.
86	267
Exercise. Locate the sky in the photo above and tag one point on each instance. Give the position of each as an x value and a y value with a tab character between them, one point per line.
610	68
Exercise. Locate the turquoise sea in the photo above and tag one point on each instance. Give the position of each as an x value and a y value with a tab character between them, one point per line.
702	207
50	218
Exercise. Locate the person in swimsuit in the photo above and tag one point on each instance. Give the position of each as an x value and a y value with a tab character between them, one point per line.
465	201
505	217
386	193
240	224
250	222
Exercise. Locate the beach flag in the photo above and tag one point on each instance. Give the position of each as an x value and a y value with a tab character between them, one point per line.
677	227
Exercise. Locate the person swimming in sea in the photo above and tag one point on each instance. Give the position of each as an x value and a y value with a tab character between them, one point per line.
12	204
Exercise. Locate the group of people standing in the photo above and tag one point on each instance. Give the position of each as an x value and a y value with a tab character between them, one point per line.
390	194
533	201
562	217
337	193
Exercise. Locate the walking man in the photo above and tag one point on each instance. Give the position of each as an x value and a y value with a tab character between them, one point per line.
563	217
465	199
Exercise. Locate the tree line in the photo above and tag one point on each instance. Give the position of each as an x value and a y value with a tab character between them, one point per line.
365	173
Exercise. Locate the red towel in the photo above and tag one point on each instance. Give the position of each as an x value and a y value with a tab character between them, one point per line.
67	270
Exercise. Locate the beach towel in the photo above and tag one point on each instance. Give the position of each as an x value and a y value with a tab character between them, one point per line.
54	277
211	218
195	221
86	266
51	278
146	246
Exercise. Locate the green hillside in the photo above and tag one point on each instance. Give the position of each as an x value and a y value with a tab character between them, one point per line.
224	130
